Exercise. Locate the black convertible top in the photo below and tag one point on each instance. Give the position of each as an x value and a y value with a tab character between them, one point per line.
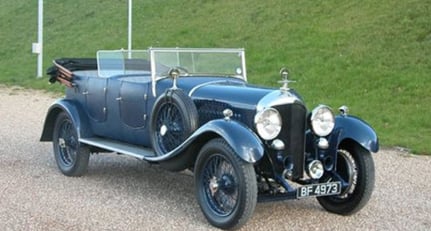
70	64
62	69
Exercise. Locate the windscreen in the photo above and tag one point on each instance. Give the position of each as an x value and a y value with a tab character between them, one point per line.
121	62
198	62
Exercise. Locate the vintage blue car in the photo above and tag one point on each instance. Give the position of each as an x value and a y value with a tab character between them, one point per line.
193	109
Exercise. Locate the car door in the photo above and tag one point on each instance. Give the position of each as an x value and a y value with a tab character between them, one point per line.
133	102
95	98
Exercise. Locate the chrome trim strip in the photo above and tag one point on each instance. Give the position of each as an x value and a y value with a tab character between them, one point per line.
193	50
119	147
206	84
276	98
153	73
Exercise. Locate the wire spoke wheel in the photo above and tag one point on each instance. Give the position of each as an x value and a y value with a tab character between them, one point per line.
70	155
170	128
220	184
173	120
226	187
355	169
68	143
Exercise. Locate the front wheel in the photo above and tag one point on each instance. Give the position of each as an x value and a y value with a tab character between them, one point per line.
71	156
355	169
226	187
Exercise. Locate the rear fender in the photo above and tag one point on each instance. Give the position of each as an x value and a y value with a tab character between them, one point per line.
74	111
354	128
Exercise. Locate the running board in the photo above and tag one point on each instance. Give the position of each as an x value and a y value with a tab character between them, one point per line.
120	147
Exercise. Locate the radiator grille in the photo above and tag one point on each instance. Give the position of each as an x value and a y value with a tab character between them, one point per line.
293	135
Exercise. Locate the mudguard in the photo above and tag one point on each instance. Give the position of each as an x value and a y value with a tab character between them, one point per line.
243	141
354	128
79	119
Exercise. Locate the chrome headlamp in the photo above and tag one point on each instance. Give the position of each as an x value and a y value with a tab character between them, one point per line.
322	120
268	123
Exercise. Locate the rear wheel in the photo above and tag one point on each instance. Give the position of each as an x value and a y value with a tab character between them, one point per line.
226	187
355	169
71	156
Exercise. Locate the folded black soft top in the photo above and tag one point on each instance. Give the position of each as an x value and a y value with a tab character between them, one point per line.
81	64
71	64
76	64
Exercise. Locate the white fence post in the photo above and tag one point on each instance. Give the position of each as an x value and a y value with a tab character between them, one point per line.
37	48
129	46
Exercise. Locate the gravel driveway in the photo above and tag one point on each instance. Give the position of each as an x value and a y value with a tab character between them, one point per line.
122	193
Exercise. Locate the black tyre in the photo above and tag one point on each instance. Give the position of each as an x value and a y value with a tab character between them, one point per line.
355	168
226	187
71	156
173	120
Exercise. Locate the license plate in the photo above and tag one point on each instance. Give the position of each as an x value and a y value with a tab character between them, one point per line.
318	190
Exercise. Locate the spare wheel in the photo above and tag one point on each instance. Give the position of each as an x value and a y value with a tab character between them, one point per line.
173	120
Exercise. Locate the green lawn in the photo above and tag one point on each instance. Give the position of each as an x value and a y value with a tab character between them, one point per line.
374	56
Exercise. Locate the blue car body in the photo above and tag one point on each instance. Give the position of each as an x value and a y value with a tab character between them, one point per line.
116	114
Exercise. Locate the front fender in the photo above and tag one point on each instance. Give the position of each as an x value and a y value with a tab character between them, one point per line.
243	141
354	128
74	111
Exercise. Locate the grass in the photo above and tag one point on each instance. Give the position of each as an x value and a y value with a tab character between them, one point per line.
373	56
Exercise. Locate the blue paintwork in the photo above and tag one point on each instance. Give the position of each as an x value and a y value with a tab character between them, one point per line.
354	128
120	107
114	107
108	115
347	127
114	114
242	140
76	114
